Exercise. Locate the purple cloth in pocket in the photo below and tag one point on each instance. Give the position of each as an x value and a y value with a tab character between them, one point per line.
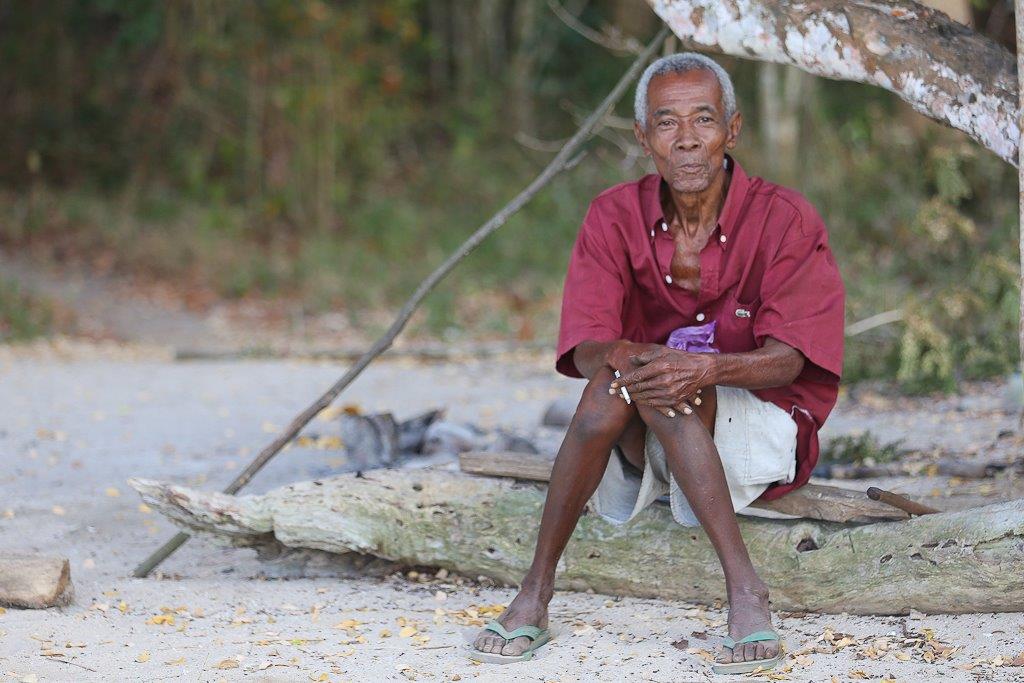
695	338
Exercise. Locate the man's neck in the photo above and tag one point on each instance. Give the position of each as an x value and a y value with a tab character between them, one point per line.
697	212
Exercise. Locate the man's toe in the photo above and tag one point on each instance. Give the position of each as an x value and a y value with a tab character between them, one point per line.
498	645
759	652
516	646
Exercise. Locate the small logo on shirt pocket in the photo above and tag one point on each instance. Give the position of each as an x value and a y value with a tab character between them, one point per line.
742	313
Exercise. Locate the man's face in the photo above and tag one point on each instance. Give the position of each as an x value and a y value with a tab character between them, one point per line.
686	133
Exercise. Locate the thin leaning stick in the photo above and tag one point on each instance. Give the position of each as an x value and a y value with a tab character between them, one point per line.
562	161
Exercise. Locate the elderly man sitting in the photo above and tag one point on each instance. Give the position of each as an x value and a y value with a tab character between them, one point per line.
729	410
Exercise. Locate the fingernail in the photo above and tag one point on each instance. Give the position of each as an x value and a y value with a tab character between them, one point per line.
671	413
615	385
696	401
687	411
611	391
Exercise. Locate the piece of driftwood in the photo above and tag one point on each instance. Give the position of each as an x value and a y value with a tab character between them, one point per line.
34	581
954	562
911	507
813	501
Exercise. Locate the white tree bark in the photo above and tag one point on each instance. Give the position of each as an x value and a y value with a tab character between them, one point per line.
969	561
942	68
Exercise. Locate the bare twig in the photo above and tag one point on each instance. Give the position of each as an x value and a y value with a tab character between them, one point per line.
876	320
626	45
566	158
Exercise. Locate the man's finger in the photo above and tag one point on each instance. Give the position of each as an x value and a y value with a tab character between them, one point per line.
639	375
655	396
644	357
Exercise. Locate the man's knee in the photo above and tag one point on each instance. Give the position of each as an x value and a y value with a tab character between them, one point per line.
600	414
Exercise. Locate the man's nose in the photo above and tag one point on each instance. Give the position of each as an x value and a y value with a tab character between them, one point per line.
687	138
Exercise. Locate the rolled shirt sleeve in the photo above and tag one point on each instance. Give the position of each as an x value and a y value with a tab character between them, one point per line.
803	299
597	284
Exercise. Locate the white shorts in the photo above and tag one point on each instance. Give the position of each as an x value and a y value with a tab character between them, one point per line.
755	439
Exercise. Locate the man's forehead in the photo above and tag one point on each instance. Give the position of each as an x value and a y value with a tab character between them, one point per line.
691	89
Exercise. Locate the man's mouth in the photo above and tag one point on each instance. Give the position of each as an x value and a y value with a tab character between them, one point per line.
690	168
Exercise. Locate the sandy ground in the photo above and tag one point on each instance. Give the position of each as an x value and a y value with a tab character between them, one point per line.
74	427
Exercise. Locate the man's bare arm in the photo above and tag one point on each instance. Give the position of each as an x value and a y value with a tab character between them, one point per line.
591	356
667	377
776	364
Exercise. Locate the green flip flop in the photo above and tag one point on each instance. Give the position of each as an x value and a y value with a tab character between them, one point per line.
538	636
747	667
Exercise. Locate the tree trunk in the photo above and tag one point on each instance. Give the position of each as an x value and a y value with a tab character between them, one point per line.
781	95
942	68
951	562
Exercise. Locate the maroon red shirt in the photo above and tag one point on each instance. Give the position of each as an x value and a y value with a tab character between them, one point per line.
766	271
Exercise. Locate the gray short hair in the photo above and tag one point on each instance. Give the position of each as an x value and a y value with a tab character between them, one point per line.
682	62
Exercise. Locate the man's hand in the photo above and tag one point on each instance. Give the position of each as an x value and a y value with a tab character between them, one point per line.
665	378
621	354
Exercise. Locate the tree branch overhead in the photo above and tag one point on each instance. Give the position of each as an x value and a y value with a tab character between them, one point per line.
940	67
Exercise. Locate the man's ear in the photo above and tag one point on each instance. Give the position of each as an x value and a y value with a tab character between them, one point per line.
641	137
735	124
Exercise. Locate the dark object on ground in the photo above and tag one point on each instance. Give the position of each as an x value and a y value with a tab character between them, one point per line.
413	432
370	440
947	467
560	412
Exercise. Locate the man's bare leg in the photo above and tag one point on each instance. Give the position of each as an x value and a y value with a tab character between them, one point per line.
696	466
600	421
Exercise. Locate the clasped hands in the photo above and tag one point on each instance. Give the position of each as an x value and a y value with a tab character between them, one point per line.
666	379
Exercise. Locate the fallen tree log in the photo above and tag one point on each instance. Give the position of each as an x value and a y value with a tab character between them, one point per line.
954	562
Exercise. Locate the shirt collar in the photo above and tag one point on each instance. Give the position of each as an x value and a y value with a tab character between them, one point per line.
654	217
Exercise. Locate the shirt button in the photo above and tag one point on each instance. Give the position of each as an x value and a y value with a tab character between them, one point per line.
664	226
668	279
700	317
721	238
652	233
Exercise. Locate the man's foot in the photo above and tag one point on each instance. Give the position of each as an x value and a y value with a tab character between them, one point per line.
748	613
527	608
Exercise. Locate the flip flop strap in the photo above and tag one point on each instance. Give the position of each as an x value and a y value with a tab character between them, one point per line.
755	637
531	632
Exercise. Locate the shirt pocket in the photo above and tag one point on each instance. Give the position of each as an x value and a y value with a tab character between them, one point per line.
735	331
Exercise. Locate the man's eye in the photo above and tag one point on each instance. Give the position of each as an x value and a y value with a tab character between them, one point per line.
705	119
664	124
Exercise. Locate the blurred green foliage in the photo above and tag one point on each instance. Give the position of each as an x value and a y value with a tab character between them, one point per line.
22	317
861	449
333	153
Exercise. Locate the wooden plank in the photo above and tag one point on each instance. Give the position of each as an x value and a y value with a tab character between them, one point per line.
812	501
